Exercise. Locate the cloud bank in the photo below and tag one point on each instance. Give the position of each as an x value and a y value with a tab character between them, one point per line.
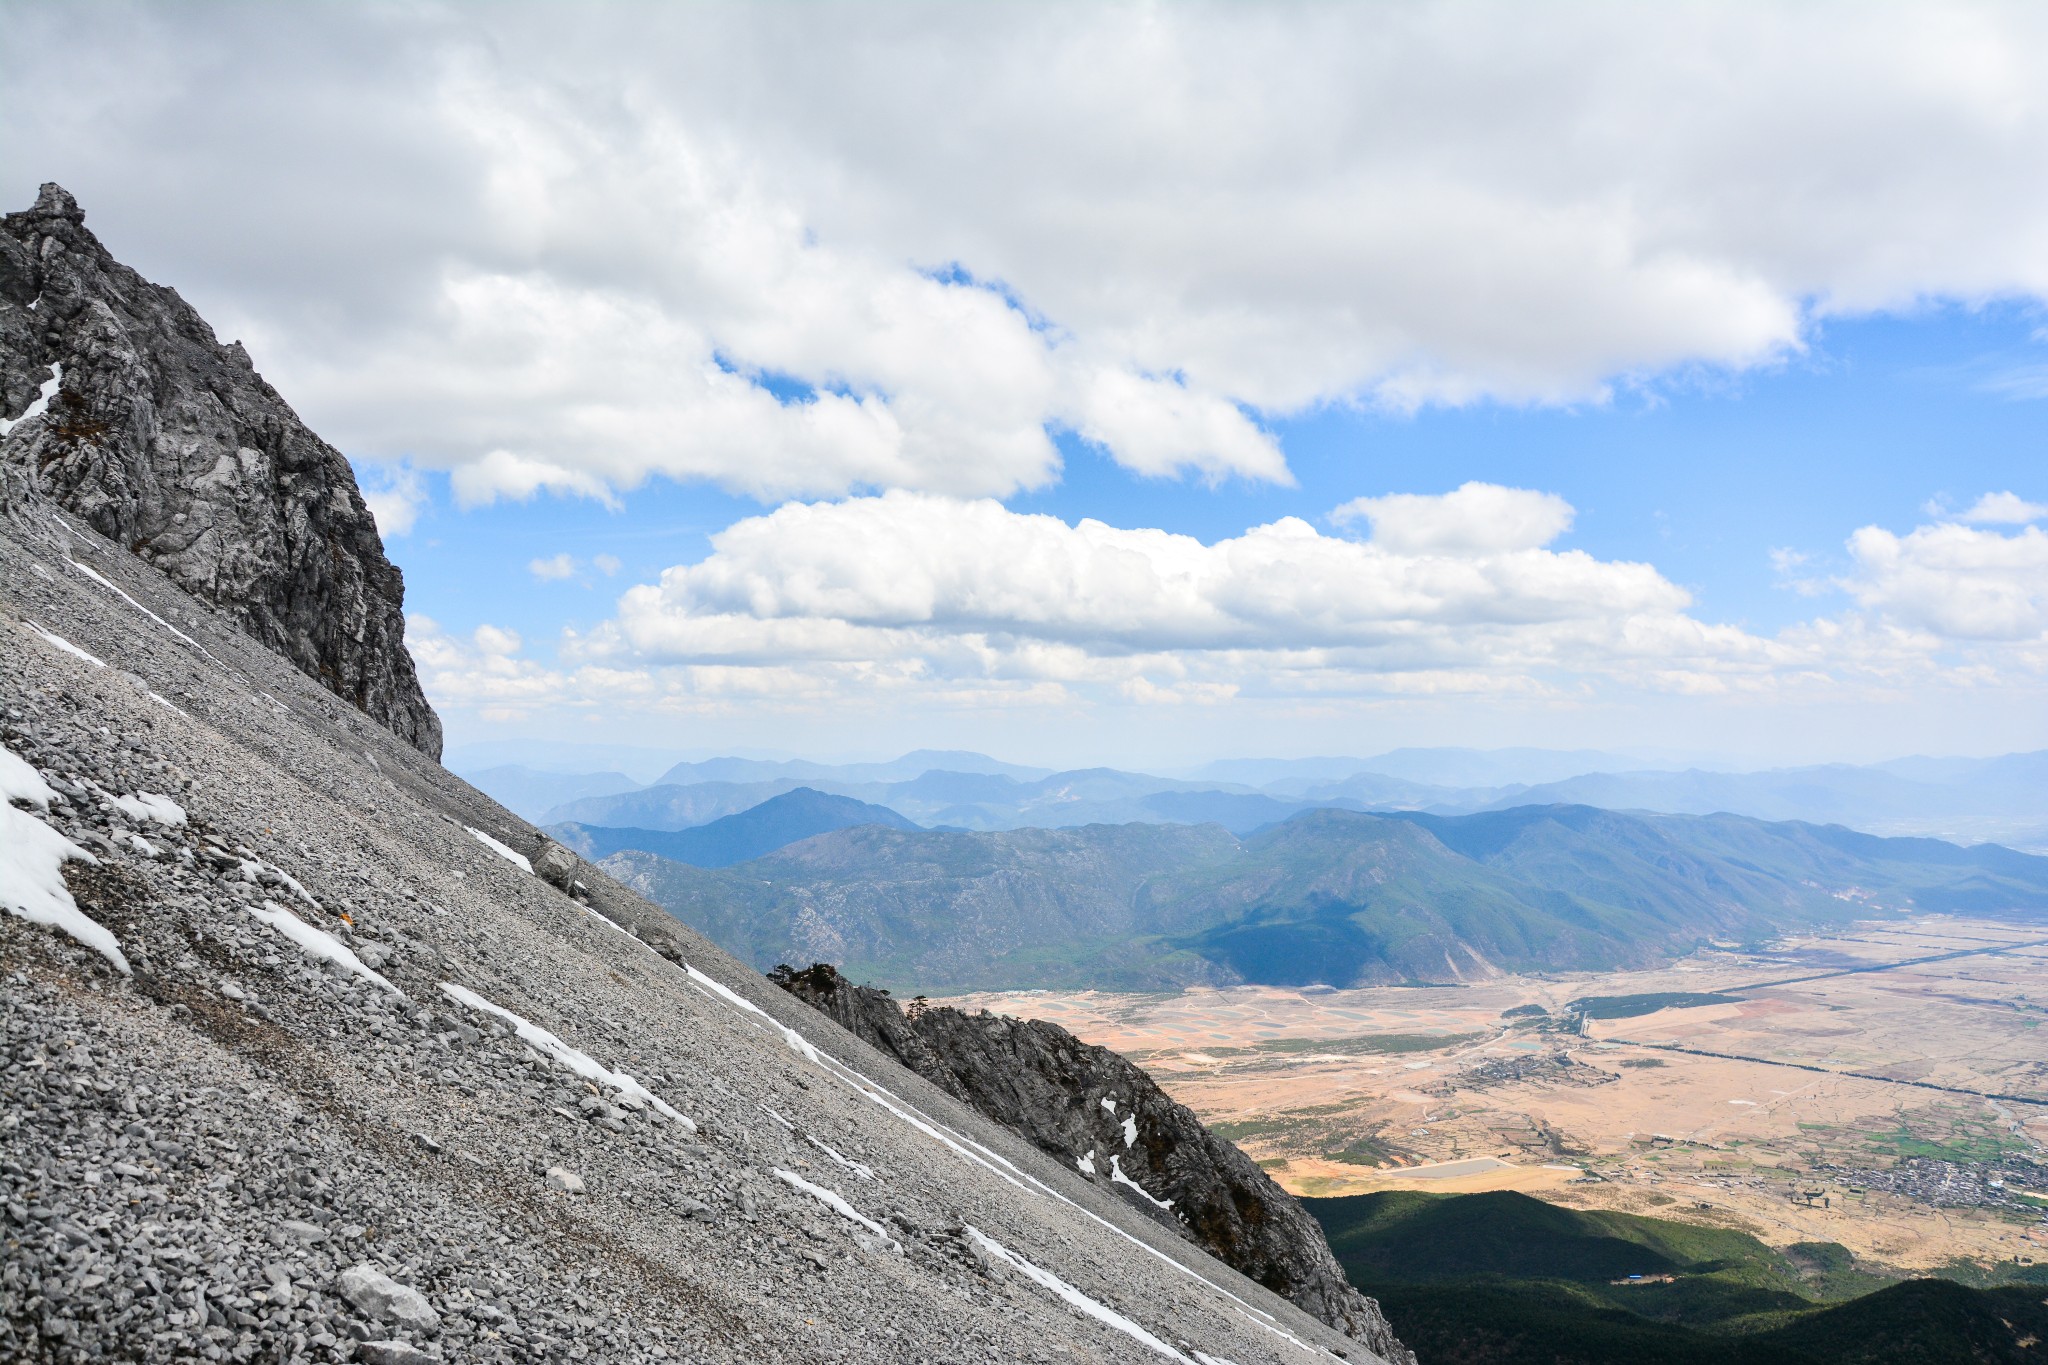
816	251
965	603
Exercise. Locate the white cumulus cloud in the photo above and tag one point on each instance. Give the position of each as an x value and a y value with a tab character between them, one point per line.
1477	518
970	587
2004	509
1958	583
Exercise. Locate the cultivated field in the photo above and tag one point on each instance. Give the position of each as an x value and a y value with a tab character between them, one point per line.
1844	1088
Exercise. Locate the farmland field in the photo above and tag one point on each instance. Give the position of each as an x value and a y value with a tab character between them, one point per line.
1846	1087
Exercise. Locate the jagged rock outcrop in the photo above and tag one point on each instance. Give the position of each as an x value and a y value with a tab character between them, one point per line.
125	408
1098	1113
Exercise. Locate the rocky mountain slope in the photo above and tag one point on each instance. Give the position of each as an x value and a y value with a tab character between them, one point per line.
1094	1110
300	1060
1342	897
130	414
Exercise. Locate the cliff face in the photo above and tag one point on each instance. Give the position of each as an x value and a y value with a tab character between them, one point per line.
1099	1114
125	409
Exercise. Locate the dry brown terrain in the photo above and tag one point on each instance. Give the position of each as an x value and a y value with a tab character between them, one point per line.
1729	1113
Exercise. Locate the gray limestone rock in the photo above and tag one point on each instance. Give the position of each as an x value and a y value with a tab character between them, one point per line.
377	1295
171	445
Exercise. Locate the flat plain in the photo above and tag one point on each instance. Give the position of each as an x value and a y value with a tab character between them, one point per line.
1884	1087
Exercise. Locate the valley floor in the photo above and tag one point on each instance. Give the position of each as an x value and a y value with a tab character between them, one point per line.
1884	1087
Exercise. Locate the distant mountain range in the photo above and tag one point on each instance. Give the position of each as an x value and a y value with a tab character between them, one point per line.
1337	897
2002	800
760	830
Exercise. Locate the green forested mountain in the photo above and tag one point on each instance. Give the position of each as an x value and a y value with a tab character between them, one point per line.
736	838
1332	896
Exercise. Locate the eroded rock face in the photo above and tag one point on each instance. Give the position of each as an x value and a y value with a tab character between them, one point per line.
1105	1117
171	444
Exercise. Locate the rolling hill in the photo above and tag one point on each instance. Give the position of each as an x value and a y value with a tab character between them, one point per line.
1332	896
751	833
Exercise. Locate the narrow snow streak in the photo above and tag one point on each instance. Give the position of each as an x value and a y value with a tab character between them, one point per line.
1116	1174
115	589
317	942
1130	1131
60	642
859	1168
509	854
797	1042
832	1201
548	1044
1073	1297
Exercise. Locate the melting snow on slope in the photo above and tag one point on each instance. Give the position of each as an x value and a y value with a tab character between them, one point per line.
32	858
1087	1163
510	854
60	642
579	1062
43	396
19	781
1073	1297
1116	1173
839	1206
317	942
149	806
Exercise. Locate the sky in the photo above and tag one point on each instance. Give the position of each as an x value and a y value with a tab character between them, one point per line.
1134	384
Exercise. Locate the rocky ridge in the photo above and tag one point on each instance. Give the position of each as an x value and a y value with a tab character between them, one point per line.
1101	1114
352	1080
121	404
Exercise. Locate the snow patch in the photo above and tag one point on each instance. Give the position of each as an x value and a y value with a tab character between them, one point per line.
839	1206
1130	1131
51	637
44	394
139	844
1109	1106
509	854
1116	1174
19	781
549	1045
1086	1164
148	806
1073	1297
317	942
32	858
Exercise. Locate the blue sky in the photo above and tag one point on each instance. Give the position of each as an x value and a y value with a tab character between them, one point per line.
1136	384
